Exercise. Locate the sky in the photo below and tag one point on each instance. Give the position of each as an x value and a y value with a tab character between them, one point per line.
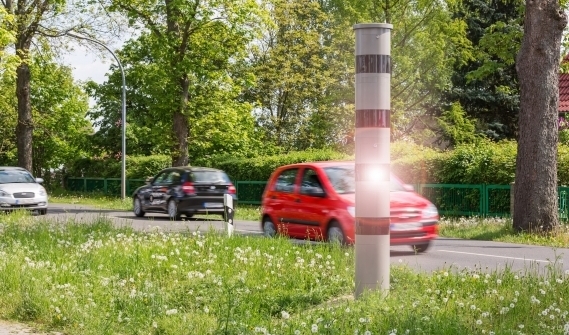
87	65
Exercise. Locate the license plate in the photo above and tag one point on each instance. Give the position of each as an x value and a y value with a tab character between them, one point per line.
406	226
24	201
213	205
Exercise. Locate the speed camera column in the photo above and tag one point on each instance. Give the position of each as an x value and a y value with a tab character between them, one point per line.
372	162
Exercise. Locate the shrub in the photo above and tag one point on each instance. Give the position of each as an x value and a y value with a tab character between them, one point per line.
485	162
260	167
137	167
416	164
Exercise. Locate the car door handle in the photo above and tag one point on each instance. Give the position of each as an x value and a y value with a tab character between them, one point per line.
273	197
297	200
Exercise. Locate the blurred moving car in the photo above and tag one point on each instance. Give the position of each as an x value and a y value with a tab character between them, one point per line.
185	191
20	190
317	201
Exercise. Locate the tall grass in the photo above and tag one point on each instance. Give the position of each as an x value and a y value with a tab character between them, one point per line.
91	278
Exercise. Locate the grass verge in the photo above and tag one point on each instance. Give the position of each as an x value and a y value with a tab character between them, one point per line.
92	278
501	230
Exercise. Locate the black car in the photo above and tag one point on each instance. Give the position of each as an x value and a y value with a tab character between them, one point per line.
184	190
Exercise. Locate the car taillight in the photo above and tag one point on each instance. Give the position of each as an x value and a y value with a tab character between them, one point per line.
188	188
231	189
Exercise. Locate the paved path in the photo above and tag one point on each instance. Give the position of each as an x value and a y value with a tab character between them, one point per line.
13	328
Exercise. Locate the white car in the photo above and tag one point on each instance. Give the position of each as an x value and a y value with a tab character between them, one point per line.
20	190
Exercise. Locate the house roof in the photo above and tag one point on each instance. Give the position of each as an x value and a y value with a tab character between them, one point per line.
564	89
564	92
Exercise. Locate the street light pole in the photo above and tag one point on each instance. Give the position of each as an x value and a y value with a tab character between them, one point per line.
123	123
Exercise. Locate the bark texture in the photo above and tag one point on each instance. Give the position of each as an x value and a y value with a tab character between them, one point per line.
25	126
537	64
180	121
181	128
28	16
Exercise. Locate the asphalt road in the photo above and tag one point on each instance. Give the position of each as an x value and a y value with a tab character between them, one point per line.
444	254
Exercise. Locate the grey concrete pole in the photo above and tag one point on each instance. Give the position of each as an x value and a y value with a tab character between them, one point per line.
373	159
123	123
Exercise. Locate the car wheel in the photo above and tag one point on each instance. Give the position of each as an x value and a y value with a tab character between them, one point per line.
336	234
173	210
269	229
42	211
137	208
420	248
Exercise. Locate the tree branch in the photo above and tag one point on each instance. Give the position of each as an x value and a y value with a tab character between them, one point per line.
145	17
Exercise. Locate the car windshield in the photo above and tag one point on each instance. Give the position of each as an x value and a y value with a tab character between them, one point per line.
15	176
210	177
343	179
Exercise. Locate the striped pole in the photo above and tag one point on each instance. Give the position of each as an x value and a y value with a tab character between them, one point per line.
228	213
373	109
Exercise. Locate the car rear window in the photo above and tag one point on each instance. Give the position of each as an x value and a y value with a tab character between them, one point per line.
343	179
210	177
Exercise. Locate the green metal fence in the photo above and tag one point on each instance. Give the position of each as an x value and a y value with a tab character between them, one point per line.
250	192
109	186
450	199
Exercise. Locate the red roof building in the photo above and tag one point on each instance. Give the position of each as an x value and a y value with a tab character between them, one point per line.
564	89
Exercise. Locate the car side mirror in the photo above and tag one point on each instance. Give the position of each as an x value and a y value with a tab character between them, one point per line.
408	188
39	180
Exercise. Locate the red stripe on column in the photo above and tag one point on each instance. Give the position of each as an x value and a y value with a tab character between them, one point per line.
372	226
373	118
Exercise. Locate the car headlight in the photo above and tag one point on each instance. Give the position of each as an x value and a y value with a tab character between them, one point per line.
42	192
352	211
4	193
430	211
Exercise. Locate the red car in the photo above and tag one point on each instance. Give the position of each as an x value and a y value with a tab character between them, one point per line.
316	201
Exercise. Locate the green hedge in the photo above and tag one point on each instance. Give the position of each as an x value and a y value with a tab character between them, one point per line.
482	163
136	167
260	168
416	164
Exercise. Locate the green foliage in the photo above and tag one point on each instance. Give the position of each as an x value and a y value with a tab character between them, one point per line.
187	63
482	163
8	121
260	168
426	43
303	66
136	167
563	164
487	84
564	136
456	127
416	164
485	162
143	167
59	107
8	61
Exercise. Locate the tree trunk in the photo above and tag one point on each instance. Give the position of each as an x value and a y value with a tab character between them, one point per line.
181	127
180	122
537	64
25	126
